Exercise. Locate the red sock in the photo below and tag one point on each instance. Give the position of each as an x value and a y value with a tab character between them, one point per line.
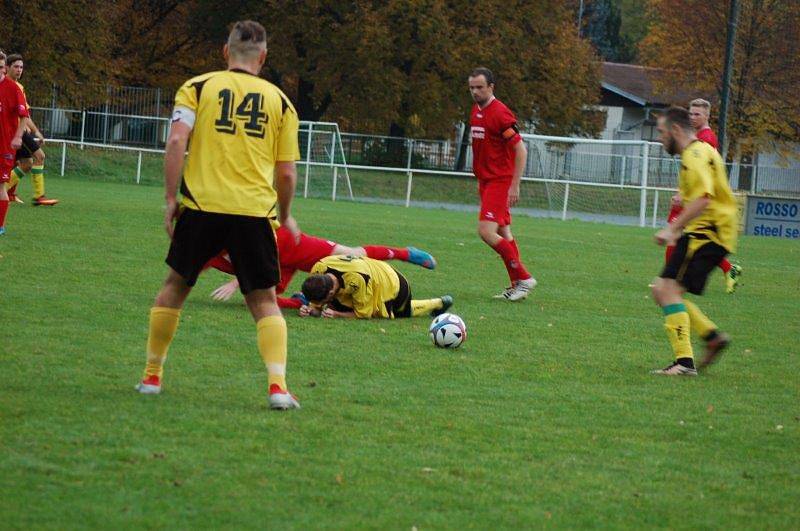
668	253
725	265
3	211
522	273
379	252
509	256
284	302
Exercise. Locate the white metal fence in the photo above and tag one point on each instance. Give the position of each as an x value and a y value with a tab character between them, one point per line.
626	182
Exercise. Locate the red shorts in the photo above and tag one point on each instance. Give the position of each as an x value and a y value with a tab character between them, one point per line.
305	254
494	201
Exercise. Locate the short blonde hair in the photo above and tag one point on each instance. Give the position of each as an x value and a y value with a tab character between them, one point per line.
700	102
247	39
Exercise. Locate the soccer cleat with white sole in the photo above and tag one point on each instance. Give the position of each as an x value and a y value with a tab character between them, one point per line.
149	386
505	293
676	369
280	399
521	289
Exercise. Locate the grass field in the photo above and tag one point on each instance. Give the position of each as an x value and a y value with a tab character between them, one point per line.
546	417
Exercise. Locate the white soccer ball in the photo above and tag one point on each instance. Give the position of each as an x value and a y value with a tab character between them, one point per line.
448	331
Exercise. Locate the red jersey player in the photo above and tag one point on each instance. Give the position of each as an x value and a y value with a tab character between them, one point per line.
301	255
498	160
12	107
699	110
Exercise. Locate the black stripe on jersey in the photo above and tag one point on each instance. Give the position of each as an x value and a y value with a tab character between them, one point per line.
284	105
366	278
198	88
187	194
338	274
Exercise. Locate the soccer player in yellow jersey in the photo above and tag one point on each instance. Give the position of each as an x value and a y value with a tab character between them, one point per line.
30	157
703	233
240	171
363	288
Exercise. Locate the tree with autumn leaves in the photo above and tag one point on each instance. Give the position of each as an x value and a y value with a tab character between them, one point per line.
687	37
396	66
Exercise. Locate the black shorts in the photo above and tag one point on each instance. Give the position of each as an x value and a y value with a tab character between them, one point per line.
692	261
29	146
400	306
250	242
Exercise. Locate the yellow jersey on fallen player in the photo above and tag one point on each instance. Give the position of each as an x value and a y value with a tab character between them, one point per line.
241	126
703	174
366	284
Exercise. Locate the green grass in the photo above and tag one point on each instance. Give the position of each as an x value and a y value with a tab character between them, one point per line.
545	417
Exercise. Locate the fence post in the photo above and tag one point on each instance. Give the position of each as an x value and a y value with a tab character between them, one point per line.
308	158
655	208
643	195
83	127
335	180
409	173
63	157
622	176
566	202
139	169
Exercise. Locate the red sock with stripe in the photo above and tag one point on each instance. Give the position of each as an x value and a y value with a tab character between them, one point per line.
522	273
509	256
379	252
725	265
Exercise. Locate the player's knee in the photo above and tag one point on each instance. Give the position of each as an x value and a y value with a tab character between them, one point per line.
174	291
486	233
262	303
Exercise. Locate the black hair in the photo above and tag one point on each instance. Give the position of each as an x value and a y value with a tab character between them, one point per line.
316	287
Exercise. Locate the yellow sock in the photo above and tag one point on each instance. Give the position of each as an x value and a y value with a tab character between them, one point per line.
16	175
272	338
678	330
424	306
37	177
700	323
163	323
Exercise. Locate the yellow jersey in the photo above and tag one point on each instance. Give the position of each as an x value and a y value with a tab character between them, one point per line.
366	285
242	126
703	174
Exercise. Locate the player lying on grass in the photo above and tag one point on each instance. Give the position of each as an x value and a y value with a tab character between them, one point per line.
703	233
353	287
301	254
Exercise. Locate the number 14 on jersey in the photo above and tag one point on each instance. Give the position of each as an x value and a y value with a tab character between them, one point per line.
249	113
